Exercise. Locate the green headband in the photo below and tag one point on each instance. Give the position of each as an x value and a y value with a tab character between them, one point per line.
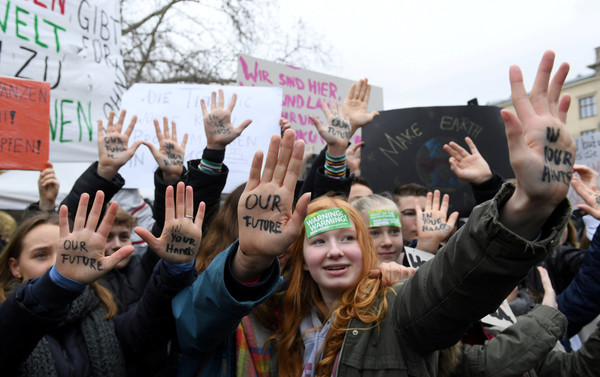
384	217
326	220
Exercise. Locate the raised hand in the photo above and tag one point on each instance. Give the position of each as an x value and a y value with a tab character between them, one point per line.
169	156
284	124
471	167
48	186
80	254
391	272
587	189
112	146
588	176
182	233
337	132
549	293
217	124
433	224
542	152
353	157
356	104
266	223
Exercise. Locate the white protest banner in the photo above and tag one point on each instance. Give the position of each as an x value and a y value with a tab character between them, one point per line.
588	153
181	103
302	92
74	46
417	258
501	318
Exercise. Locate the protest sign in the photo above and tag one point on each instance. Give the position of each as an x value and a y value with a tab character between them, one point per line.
302	92
417	258
501	318
24	115
181	103
405	146
75	47
588	153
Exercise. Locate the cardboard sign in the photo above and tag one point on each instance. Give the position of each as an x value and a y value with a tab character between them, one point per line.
181	103
588	153
24	116
417	258
502	317
302	92
75	47
405	146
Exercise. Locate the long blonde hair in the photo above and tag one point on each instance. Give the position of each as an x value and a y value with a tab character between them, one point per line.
303	295
13	250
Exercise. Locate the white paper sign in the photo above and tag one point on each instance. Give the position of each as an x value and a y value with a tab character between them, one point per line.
181	103
302	92
417	258
588	153
502	318
75	46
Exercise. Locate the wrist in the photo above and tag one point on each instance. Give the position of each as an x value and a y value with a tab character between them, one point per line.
216	146
47	205
337	150
525	216
482	178
171	178
106	171
248	267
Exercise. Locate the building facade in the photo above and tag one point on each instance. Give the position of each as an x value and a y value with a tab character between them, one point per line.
583	114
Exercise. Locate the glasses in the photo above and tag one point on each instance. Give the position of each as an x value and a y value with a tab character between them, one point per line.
408	212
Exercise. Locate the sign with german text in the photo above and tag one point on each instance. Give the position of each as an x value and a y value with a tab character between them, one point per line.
75	47
24	116
303	91
181	103
405	146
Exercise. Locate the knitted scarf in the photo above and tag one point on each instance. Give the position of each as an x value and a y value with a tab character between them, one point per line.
103	348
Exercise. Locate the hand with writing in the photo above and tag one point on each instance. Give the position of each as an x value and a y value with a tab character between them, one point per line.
169	156
80	254
391	272
284	124
549	293
112	146
356	105
337	131
48	186
542	152
182	233
266	223
587	190
217	124
471	167
353	155
433	224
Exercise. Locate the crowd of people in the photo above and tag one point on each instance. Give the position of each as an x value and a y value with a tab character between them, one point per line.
308	275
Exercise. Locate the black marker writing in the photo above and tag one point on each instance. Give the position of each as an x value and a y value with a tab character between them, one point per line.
253	200
179	250
555	159
74	245
93	263
183	239
415	261
264	225
501	315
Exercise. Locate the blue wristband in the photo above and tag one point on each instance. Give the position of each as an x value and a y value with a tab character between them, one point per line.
176	269
64	282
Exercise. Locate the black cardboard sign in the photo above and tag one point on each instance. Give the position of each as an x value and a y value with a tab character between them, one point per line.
405	145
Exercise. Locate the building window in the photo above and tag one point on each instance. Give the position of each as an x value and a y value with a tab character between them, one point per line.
587	107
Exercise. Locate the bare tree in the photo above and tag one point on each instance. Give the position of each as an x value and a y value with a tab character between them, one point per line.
198	41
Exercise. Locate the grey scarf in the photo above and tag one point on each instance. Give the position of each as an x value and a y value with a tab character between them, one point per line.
103	348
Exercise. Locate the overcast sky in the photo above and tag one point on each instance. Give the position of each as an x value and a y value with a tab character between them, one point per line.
443	52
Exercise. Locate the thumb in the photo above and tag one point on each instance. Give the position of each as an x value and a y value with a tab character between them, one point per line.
112	260
301	209
374	273
152	148
374	114
135	146
243	126
147	236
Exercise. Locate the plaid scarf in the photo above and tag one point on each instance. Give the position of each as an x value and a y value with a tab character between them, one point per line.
252	359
